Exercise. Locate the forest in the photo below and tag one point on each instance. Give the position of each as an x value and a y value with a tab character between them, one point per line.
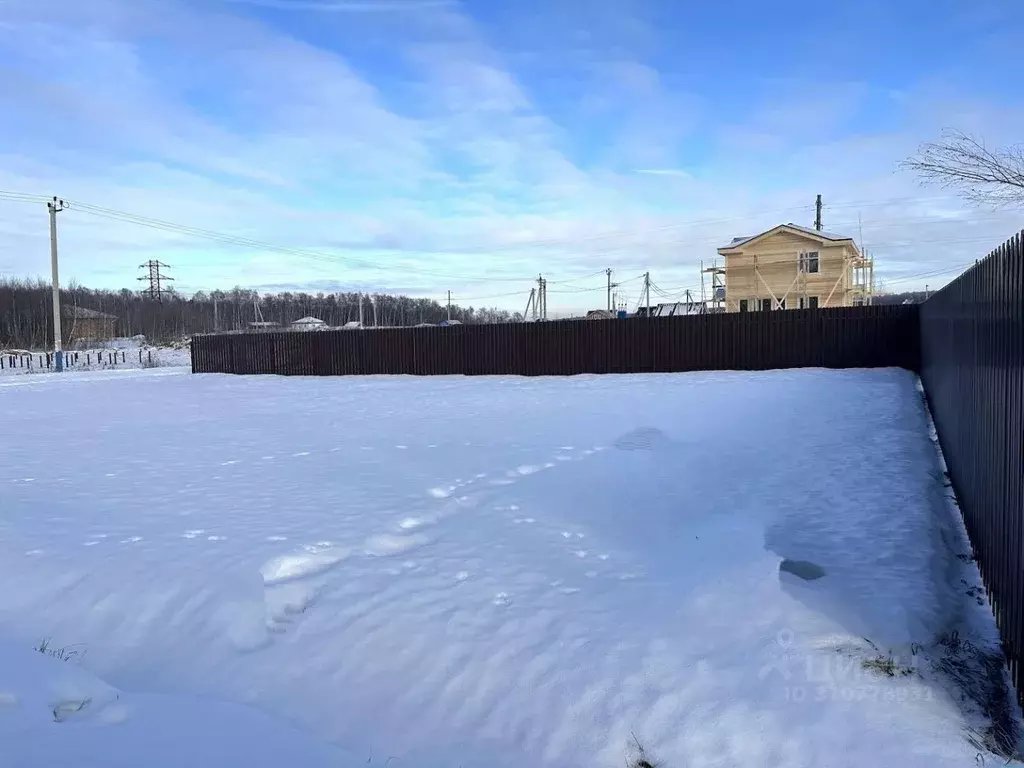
26	311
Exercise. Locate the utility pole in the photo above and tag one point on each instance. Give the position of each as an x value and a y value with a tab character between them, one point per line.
611	285
360	309
817	213
531	303
58	349
449	306
647	291
155	278
542	297
216	324
373	302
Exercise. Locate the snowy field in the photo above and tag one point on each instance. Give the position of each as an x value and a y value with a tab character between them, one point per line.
98	360
755	569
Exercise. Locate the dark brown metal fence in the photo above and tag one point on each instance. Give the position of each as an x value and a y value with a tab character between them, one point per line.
845	337
972	344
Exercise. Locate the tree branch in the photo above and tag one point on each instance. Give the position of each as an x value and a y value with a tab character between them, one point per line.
959	160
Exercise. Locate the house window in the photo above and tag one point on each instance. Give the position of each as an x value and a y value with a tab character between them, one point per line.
858	301
743	305
812	302
809	262
766	305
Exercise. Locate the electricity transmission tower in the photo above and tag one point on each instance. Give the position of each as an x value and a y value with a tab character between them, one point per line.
155	278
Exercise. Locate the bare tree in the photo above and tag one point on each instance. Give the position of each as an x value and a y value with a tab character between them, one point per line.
989	176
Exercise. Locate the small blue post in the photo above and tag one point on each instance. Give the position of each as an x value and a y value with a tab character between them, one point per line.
58	361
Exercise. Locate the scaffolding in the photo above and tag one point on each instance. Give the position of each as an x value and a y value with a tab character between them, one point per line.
855	285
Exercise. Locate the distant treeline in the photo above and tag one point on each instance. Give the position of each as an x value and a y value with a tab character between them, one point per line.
913	297
26	311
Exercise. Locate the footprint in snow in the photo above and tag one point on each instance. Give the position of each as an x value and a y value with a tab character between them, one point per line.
412	523
387	544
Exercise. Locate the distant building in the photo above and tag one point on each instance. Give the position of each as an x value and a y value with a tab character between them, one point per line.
308	324
674	309
79	324
600	314
793	267
265	325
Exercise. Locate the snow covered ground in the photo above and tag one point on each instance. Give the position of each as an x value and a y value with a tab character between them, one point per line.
99	359
731	569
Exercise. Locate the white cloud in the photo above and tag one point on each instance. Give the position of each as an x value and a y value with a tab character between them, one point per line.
460	179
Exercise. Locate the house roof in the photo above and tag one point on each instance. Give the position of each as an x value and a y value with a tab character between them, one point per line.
736	241
81	313
309	321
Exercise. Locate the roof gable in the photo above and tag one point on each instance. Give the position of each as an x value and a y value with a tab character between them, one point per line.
814	235
83	313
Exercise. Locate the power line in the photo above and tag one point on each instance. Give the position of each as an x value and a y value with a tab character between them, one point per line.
155	278
228	239
232	239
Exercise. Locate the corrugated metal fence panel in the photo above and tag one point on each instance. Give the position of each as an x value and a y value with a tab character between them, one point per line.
972	347
843	337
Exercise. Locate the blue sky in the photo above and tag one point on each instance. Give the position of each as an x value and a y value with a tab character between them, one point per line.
431	145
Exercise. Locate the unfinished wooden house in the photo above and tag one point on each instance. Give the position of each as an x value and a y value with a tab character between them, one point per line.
793	267
85	326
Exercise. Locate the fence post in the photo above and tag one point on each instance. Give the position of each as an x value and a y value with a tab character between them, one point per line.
123	357
149	355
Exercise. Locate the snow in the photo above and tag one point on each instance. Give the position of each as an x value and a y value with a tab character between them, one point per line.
102	359
480	571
